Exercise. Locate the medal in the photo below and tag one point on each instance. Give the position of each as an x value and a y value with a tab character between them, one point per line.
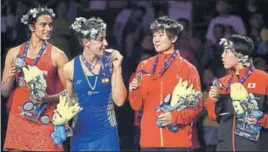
19	62
20	81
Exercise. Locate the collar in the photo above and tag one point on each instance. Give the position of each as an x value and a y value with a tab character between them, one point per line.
241	72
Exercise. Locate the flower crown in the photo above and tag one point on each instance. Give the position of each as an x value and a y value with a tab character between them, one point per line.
226	43
93	33
34	12
156	25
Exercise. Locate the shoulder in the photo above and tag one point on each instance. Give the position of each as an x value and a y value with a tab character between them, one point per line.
58	57
260	74
55	51
13	52
187	65
69	66
224	80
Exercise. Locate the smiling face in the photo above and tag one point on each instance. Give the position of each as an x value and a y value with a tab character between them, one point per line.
162	42
98	46
42	28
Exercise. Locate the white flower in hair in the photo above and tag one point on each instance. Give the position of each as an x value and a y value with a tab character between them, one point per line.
34	12
104	26
85	32
24	19
93	33
76	26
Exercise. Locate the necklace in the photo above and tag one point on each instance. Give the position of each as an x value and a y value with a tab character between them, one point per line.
90	92
89	66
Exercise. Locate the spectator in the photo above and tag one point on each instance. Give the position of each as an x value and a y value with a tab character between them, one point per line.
260	62
132	32
190	47
262	46
212	54
255	25
61	33
222	7
72	11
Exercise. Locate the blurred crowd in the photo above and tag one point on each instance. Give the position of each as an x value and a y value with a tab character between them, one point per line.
204	22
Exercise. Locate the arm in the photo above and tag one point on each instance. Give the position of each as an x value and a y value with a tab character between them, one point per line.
60	59
68	77
210	106
119	92
186	116
135	96
9	73
264	120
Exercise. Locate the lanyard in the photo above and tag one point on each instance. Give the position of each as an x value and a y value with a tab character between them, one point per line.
102	64
242	80
166	65
37	58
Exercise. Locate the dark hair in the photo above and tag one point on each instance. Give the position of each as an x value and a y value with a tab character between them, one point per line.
186	21
242	44
171	26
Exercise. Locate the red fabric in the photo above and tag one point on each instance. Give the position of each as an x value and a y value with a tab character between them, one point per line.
150	94
23	134
210	106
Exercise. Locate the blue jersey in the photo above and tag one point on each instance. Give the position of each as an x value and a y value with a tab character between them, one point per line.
96	126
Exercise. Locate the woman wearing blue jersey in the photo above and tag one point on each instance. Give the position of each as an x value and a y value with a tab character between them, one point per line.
95	79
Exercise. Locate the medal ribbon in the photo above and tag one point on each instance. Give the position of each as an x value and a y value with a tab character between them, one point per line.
37	58
166	65
102	71
242	80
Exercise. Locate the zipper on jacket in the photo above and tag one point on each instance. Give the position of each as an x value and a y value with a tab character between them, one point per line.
161	129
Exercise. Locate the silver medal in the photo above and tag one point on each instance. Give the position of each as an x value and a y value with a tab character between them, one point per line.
19	62
21	82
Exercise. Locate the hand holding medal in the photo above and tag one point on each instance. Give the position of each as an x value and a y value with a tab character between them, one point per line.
214	90
135	83
117	58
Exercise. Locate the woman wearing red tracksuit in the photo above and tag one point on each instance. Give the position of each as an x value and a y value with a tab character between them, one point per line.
160	75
